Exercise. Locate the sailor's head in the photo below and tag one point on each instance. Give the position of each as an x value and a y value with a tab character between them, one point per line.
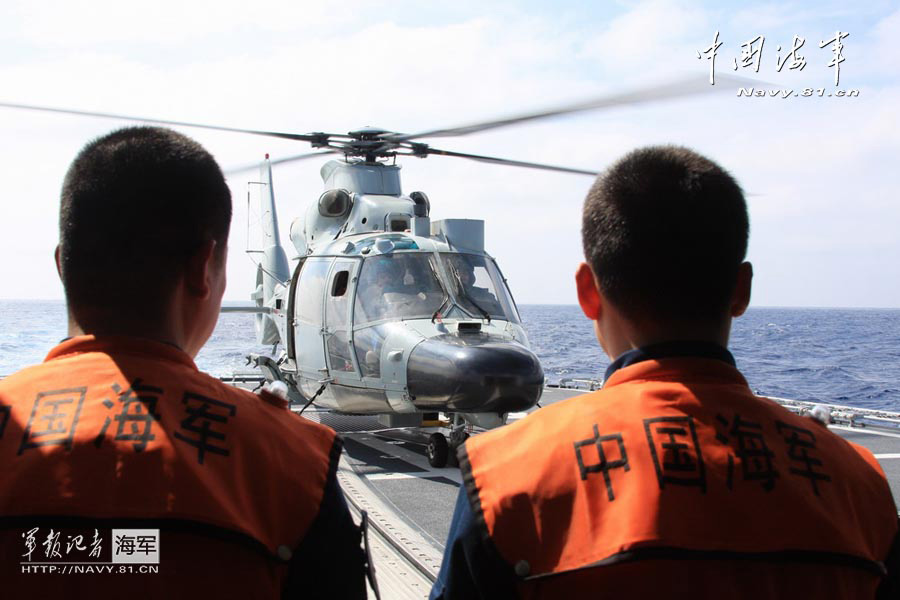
664	233
144	211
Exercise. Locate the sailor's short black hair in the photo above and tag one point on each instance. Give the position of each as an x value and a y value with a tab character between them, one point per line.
665	230
135	204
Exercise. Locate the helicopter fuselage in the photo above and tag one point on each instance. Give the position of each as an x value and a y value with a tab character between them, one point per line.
398	323
387	312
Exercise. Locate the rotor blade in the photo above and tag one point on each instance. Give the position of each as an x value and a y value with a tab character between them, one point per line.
511	163
685	87
278	161
85	113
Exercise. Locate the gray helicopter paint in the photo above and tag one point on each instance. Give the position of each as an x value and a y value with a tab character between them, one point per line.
338	324
389	393
461	234
368	214
308	328
404	335
383	180
376	201
325	357
398	345
272	269
339	247
421	226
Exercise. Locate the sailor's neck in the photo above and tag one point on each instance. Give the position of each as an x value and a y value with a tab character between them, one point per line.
621	336
108	325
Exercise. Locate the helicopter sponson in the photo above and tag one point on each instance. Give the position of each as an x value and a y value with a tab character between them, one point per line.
388	312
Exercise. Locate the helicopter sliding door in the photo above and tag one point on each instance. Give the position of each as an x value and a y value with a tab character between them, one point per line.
290	344
341	359
308	317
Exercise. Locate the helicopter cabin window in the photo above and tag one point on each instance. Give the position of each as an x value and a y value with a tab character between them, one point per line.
401	285
310	290
368	343
478	286
339	287
336	304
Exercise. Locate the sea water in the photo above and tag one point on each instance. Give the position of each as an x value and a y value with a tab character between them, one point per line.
841	356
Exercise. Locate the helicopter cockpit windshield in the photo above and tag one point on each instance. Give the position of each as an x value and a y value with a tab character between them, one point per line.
478	287
398	286
407	286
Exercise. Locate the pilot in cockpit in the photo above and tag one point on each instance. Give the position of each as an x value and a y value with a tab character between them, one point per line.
483	297
380	285
404	286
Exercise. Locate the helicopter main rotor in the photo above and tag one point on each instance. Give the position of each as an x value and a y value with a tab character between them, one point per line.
372	144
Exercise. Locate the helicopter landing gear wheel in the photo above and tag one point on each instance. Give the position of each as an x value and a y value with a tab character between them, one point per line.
437	450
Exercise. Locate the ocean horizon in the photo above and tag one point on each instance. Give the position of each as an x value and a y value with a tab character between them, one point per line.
820	354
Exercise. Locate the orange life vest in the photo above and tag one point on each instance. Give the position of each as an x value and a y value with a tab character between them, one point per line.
119	430
674	479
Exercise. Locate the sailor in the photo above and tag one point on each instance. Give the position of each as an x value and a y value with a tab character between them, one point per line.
117	451
674	480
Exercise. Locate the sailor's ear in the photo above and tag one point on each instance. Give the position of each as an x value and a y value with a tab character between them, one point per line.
740	300
199	270
588	293
58	260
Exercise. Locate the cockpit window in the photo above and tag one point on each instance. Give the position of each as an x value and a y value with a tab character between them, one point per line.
397	286
407	285
478	286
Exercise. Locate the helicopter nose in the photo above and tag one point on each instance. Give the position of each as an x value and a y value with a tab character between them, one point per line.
474	373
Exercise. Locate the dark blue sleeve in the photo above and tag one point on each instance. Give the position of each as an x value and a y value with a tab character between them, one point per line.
472	567
330	562
890	585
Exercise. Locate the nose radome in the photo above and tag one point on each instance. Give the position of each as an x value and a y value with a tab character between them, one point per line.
474	373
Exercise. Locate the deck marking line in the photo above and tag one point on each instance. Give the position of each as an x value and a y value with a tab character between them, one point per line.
881	456
396	476
383	476
413	458
861	430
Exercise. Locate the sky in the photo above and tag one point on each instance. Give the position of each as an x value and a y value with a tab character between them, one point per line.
820	171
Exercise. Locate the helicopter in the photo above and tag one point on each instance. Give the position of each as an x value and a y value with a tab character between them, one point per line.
384	311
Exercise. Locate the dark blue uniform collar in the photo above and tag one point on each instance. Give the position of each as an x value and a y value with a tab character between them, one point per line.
668	350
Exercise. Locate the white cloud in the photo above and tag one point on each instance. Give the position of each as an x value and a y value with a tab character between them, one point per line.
822	167
652	39
61	24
